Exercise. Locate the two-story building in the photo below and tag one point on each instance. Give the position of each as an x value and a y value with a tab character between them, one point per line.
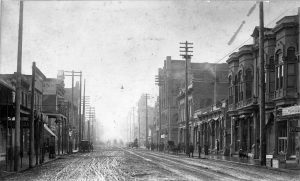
281	93
207	82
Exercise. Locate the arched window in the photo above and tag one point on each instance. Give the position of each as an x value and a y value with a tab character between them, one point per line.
291	68
230	91
240	86
236	83
249	86
279	69
271	75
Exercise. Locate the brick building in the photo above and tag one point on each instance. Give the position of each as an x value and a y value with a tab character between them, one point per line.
207	84
281	94
172	77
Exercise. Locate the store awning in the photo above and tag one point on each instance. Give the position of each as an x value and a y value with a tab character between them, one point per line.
49	130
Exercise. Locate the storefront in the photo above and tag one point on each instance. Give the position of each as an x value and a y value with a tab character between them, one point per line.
288	137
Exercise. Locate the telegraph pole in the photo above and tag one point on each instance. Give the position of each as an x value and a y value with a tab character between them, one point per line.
146	96
159	81
89	124
80	124
187	56
262	86
18	92
72	99
133	121
130	136
139	129
31	133
83	110
73	74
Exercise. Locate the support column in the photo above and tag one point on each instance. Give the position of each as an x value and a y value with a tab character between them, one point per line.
248	136
219	135
216	134
59	137
232	144
241	127
256	135
288	151
276	136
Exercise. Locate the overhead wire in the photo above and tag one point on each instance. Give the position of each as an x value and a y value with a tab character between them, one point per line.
250	36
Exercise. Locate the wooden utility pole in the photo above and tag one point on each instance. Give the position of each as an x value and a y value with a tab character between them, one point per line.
298	55
130	127
187	56
139	129
31	123
18	92
133	121
262	86
83	111
89	124
80	118
72	99
68	129
159	81
146	97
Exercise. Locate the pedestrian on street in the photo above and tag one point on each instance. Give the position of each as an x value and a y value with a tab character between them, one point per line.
199	149
191	150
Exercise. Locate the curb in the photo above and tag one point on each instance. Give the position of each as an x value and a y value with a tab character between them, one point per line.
240	163
36	166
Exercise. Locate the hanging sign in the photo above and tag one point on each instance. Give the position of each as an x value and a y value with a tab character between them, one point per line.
291	110
294	129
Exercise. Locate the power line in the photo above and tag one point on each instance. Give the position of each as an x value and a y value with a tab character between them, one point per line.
250	36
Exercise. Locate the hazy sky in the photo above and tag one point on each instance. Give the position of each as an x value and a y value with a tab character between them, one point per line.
117	43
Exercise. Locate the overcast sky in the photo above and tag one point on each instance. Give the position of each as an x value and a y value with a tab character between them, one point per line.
117	43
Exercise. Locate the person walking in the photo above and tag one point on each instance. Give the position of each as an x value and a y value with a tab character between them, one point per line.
191	148
199	149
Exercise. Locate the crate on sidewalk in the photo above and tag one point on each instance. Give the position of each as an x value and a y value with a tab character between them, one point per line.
269	159
279	162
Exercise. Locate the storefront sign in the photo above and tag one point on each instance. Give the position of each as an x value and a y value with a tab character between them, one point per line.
294	129
291	110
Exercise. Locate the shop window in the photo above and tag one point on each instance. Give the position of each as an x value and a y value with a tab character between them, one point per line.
282	137
293	137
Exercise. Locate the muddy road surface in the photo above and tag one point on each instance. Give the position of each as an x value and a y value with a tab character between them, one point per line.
114	163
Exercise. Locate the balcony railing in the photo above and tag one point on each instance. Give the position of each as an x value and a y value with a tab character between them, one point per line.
231	107
270	96
245	103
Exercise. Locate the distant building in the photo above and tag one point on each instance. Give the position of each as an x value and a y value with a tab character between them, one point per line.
172	77
207	86
142	119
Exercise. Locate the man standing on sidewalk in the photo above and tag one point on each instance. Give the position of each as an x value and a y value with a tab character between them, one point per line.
199	149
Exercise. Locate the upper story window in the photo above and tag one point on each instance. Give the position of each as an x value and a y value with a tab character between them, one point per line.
271	75
291	68
236	89
230	90
240	85
279	69
248	79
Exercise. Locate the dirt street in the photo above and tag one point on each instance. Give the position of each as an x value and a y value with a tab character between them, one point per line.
112	163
